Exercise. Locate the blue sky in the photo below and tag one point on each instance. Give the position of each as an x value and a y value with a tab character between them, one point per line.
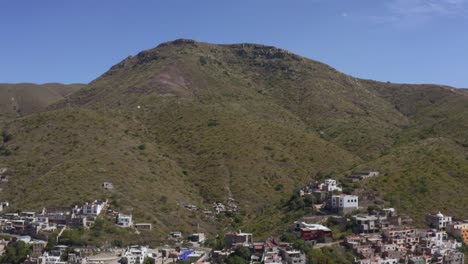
408	41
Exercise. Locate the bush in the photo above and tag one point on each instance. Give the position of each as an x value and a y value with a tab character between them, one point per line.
309	200
213	123
279	187
72	237
16	253
203	60
6	136
240	256
142	147
5	150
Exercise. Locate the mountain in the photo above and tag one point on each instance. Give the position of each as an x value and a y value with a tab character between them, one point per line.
194	123
25	98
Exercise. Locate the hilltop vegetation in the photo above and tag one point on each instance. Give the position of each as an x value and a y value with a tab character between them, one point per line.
189	122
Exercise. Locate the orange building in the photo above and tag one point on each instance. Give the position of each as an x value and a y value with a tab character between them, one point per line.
464	235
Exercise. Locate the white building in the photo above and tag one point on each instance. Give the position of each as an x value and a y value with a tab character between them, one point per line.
46	259
135	255
377	260
330	185
344	203
364	174
107	185
93	208
197	237
438	221
124	220
298	225
176	234
293	257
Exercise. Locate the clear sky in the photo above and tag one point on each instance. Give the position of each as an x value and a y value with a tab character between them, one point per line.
411	41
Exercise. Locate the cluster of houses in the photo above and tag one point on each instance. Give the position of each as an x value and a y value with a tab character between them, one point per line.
131	255
270	251
381	239
135	254
51	218
328	195
380	236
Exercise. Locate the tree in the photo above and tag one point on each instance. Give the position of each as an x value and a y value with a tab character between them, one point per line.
242	252
148	261
309	200
235	260
16	253
240	256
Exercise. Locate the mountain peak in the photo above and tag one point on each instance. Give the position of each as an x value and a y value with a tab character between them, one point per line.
180	41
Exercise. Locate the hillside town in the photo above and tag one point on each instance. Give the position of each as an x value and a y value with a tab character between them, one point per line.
375	236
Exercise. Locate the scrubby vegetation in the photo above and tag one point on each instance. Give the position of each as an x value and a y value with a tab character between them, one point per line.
195	123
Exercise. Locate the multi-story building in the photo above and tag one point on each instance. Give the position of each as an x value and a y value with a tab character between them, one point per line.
244	239
367	223
293	256
344	203
330	185
135	255
459	229
93	208
124	220
312	231
438	221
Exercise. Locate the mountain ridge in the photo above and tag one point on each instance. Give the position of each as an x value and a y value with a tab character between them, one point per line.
19	99
194	123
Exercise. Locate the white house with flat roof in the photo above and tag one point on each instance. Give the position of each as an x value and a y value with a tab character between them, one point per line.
93	208
330	185
344	203
124	220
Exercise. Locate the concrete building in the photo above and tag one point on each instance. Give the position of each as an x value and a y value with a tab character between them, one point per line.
344	203
330	185
107	185
243	239
124	220
458	229
293	256
197	237
312	231
438	221
377	260
94	208
367	223
454	257
46	259
37	248
364	174
143	226
175	234
135	255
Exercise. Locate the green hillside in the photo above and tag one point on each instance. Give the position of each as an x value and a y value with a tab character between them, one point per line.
25	98
193	123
